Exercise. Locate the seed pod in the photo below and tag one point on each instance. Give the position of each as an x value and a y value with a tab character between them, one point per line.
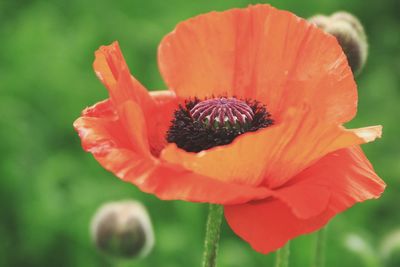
123	229
321	21
354	22
353	45
350	34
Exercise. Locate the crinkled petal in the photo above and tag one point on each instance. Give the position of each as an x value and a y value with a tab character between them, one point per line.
171	182
102	109
346	173
157	107
306	199
271	156
112	70
267	225
261	53
346	176
165	104
132	118
310	142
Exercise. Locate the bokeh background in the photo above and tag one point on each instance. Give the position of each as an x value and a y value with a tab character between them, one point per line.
50	188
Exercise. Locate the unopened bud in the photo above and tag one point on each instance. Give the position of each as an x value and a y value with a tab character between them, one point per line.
321	21
350	18
350	34
123	229
352	44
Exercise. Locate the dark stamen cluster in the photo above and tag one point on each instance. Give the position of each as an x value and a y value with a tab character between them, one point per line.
195	135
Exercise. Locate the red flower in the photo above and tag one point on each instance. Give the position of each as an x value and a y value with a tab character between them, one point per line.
277	182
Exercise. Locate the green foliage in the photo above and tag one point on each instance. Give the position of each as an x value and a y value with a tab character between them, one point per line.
50	188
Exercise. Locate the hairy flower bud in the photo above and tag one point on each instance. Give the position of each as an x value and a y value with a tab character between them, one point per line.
123	229
321	21
352	44
350	34
351	19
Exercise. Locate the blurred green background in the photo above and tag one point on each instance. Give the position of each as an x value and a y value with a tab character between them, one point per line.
50	188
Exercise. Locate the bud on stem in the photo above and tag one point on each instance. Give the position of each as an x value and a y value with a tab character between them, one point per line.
123	229
350	34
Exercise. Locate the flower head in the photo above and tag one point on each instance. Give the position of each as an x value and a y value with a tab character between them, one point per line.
200	125
271	92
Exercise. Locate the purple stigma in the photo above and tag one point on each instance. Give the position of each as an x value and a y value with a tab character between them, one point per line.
222	110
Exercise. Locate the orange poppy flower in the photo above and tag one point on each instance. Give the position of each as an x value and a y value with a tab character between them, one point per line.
276	182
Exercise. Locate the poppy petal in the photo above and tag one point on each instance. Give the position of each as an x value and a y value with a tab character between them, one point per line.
297	197
165	103
104	136
261	53
157	107
267	225
171	182
100	128
134	123
310	143
112	70
273	155
348	175
103	109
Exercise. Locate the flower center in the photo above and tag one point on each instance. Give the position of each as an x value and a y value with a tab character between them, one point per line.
200	125
220	112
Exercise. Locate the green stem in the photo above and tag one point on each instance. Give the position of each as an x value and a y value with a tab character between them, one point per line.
282	256
213	230
319	260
